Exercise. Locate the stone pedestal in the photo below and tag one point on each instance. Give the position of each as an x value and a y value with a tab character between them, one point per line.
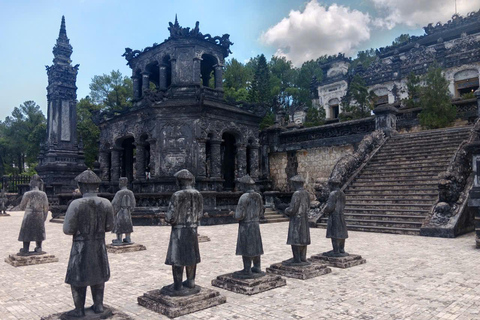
202	238
125	248
109	313
31	259
174	307
249	286
339	262
302	271
4	214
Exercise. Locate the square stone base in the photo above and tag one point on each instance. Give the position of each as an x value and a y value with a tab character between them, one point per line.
202	238
109	313
20	261
4	214
339	262
125	248
299	272
174	307
248	286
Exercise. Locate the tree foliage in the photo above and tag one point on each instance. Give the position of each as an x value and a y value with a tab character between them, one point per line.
87	130
21	135
113	92
260	91
357	102
237	79
314	117
437	108
413	89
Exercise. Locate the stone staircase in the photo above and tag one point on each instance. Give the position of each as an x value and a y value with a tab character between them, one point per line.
273	216
398	187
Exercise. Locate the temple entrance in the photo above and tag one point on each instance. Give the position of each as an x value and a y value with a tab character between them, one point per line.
228	151
128	158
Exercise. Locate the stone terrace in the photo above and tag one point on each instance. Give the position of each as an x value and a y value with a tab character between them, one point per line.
406	277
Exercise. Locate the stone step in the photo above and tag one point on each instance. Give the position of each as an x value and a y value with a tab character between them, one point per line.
396	173
412	162
394	185
386	217
426	141
408	231
386	206
384	223
441	166
383	201
392	197
400	180
388	211
393	178
417	150
442	156
274	220
452	132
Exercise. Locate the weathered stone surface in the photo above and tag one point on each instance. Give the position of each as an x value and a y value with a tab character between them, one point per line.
109	313
174	307
339	262
125	248
302	272
202	238
248	286
20	261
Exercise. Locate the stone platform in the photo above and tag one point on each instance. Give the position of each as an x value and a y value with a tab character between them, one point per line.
304	271
125	248
31	259
339	262
4	215
203	238
250	286
109	313
174	307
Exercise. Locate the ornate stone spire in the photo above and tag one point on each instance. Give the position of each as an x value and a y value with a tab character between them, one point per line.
62	50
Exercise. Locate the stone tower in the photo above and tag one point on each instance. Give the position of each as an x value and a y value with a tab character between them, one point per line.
61	158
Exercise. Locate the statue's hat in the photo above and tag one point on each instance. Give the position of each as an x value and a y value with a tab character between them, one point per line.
246	179
297	178
184	174
88	177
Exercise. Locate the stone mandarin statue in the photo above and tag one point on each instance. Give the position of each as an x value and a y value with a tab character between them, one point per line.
87	219
249	240
336	226
35	204
298	229
184	211
123	205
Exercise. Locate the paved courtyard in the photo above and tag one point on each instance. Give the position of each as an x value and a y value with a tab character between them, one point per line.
406	277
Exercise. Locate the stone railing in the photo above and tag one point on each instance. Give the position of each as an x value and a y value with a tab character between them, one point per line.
450	216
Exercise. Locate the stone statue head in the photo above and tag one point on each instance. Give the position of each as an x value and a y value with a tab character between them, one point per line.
36	182
334	184
122	182
88	181
184	178
297	181
246	183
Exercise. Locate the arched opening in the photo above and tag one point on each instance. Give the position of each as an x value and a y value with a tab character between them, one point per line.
168	72
466	82
228	152
154	75
207	70
208	156
146	156
334	108
128	158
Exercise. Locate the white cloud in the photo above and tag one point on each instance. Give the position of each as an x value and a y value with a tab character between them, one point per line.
419	13
318	31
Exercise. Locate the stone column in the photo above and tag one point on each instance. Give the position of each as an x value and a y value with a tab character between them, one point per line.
104	164
139	161
145	82
115	167
216	164
386	119
254	159
218	76
196	70
136	87
202	158
241	160
163	77
154	161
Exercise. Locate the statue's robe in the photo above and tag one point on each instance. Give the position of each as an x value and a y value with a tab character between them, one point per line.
184	211
248	212
336	226
87	219
35	204
298	228
123	205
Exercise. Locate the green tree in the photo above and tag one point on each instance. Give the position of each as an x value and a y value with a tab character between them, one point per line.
236	80
87	130
366	58
437	108
314	117
21	135
303	82
268	120
282	80
113	92
404	37
358	101
260	91
413	89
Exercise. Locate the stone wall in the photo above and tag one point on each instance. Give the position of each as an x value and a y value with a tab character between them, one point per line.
313	164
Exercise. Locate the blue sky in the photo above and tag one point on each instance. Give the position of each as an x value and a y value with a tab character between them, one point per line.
99	31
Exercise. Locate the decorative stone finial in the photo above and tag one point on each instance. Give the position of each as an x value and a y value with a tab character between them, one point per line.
62	50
